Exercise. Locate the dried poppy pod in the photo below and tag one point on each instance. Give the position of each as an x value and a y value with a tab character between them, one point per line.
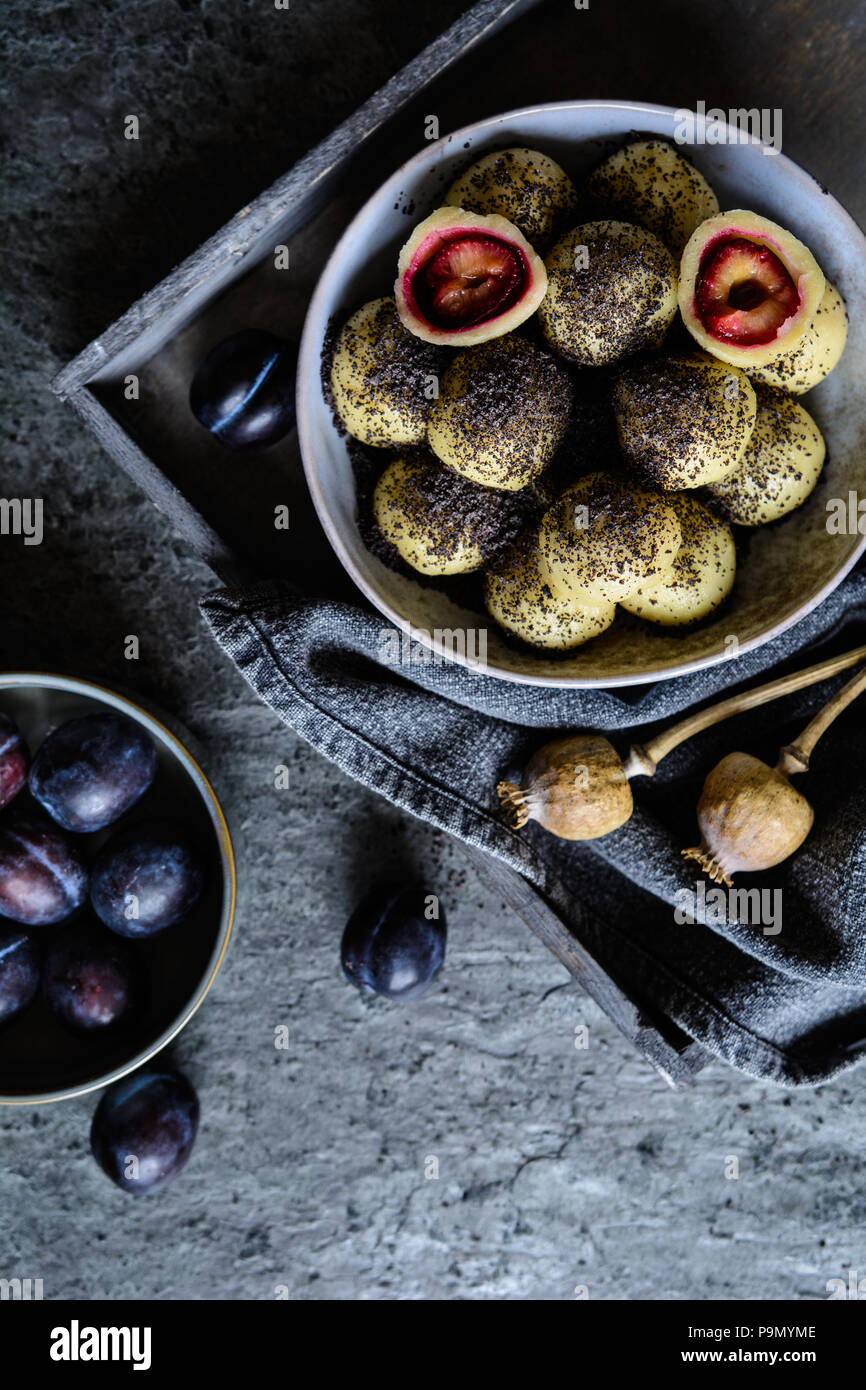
750	816
575	787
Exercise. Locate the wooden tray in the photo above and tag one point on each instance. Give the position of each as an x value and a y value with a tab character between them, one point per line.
473	69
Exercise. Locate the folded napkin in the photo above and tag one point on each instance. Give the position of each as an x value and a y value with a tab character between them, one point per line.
786	1004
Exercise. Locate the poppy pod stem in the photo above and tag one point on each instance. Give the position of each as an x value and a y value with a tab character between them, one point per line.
795	756
643	759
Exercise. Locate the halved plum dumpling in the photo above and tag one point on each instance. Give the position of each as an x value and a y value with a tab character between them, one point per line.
744	293
748	289
463	278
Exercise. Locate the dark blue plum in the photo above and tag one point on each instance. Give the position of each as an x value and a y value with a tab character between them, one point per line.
144	1129
19	972
90	770
145	878
88	979
14	760
43	878
394	942
244	390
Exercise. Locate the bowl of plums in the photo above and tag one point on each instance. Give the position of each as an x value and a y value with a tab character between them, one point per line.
577	394
117	887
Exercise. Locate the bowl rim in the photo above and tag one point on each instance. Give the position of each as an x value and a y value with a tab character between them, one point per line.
74	685
309	373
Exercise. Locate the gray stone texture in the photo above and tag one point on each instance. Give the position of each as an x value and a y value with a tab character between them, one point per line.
557	1167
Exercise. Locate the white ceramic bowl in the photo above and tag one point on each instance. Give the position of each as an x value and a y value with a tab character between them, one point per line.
787	569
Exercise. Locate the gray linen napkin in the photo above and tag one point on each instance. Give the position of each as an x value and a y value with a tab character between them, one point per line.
786	1005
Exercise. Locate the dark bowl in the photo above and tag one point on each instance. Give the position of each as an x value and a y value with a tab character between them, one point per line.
40	1060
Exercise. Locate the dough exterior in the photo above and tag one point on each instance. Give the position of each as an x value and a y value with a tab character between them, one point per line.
649	182
703	570
611	292
380	377
432	517
502	411
520	599
817	352
527	187
605	538
780	467
684	421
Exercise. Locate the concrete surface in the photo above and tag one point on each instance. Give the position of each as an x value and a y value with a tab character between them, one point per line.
556	1168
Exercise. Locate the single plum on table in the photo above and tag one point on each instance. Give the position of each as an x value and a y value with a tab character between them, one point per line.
19	972
89	979
145	878
394	942
144	1129
43	878
90	770
14	760
244	390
